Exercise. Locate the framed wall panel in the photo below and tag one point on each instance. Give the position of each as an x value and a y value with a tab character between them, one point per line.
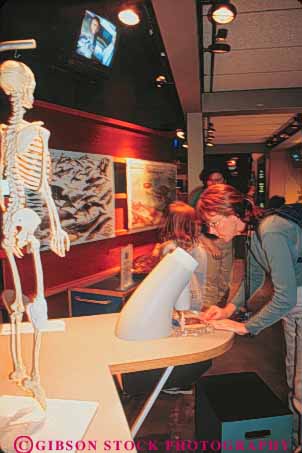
83	190
151	187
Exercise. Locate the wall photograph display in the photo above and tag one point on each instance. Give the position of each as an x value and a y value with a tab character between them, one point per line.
151	187
83	189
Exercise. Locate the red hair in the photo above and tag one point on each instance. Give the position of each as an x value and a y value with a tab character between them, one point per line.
225	200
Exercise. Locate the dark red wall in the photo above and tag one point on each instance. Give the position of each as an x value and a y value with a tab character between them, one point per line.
73	130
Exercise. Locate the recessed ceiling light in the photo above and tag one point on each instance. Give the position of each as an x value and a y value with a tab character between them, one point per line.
180	133
222	12
209	142
129	17
219	47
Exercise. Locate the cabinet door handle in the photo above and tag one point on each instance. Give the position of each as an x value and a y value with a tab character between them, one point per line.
100	302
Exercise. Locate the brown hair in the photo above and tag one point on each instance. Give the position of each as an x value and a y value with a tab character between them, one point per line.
181	223
225	200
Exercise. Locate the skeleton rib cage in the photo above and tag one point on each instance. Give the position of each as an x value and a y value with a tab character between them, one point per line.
29	165
27	168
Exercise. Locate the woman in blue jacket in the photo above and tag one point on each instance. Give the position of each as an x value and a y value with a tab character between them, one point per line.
275	250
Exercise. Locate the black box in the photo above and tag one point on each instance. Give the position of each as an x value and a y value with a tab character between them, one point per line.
240	409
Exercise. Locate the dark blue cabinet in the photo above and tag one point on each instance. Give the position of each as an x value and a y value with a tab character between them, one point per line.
84	303
100	298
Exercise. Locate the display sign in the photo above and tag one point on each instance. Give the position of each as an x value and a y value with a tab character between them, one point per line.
126	266
151	187
261	182
82	187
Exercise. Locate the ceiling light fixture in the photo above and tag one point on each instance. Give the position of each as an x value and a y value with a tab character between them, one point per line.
285	132
209	133
220	46
161	80
209	143
222	12
129	16
211	127
180	133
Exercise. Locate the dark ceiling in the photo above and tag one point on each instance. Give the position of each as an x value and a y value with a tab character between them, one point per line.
128	92
249	93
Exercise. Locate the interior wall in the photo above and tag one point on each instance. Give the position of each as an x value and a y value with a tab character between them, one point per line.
195	151
293	183
284	179
72	130
277	167
127	91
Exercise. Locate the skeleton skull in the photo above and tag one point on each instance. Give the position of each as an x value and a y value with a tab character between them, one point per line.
17	77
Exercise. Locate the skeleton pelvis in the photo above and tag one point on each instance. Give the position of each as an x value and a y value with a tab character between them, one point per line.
24	223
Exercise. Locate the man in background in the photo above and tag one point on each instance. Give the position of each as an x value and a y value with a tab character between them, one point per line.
219	265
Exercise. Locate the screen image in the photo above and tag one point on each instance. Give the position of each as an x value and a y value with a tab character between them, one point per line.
97	39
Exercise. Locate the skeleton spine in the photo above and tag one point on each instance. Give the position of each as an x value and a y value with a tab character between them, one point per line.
16	198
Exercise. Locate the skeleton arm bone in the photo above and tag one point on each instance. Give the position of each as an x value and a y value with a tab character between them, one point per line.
2	160
59	242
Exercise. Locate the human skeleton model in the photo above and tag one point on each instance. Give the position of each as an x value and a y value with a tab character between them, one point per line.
25	165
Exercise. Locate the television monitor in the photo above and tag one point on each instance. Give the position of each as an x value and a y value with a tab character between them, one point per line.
96	41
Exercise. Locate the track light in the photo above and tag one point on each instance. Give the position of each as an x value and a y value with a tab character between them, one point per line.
221	35
209	143
161	80
288	130
220	46
211	127
180	133
129	16
222	12
209	133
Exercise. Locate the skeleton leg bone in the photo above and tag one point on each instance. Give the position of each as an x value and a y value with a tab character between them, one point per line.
16	310
37	312
38	309
33	384
24	223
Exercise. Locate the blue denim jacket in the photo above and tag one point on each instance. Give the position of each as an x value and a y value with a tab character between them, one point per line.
280	253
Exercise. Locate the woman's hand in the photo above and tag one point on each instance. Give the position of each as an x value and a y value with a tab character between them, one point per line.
212	313
215	312
231	326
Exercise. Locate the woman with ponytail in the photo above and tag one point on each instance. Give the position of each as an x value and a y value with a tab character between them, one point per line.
182	229
274	246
